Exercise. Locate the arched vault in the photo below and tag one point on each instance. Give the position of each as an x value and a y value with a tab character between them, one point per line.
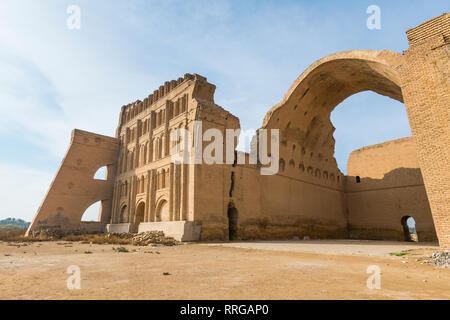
303	115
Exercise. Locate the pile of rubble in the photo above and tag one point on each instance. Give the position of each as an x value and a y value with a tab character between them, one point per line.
120	235
440	259
140	239
49	234
146	238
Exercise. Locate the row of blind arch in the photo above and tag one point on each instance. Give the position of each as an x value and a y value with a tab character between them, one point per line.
162	176
310	170
176	108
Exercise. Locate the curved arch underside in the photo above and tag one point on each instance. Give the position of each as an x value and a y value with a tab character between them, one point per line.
303	116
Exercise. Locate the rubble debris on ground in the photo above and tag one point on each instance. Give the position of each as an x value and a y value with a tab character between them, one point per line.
51	234
145	238
439	258
153	237
141	239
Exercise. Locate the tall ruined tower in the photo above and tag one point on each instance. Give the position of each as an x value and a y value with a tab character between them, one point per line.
151	192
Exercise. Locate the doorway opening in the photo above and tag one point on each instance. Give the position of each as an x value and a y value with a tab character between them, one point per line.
409	229
232	222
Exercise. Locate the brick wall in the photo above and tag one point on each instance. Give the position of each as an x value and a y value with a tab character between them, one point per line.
426	91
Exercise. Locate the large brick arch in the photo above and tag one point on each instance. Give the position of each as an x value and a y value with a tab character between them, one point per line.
418	77
304	112
74	188
348	67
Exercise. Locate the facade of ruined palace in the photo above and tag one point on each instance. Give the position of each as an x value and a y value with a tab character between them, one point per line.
309	196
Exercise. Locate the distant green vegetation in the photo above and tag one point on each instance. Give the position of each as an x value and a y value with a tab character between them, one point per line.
12	223
399	254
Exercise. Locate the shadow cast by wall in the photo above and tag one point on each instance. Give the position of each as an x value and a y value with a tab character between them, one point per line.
375	207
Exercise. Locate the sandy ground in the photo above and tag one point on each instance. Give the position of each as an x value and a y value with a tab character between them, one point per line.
261	270
340	247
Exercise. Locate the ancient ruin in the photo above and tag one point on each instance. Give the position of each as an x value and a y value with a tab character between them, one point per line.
309	196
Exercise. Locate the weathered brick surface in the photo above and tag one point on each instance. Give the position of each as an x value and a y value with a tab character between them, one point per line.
425	76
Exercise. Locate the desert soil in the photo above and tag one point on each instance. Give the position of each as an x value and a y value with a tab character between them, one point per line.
259	270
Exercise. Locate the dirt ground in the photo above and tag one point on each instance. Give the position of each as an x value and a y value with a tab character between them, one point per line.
277	270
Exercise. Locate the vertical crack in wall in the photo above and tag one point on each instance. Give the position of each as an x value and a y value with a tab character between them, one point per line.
232	184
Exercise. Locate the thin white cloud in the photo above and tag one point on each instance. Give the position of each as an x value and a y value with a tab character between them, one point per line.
29	106
22	190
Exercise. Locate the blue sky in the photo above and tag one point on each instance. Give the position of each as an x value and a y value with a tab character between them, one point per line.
53	79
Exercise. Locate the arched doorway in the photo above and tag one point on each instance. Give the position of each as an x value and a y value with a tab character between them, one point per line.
409	229
140	212
124	214
232	222
162	212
